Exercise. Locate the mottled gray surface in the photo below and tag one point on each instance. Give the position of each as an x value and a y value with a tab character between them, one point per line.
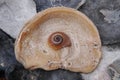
7	57
43	4
114	70
116	66
19	73
14	14
106	16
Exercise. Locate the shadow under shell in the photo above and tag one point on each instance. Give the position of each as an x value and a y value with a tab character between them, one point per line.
38	74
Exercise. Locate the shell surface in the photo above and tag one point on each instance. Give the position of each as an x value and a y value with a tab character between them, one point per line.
32	48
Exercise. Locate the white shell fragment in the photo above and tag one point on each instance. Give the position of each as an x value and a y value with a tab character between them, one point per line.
14	14
83	54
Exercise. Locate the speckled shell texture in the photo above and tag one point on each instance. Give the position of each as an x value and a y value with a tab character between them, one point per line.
33	51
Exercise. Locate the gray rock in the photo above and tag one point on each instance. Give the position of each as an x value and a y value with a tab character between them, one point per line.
19	73
111	16
114	70
14	14
7	56
43	4
106	16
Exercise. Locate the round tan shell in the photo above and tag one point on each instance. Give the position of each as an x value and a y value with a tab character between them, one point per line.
33	51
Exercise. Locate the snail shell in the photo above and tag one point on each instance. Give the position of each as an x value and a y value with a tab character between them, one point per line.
59	37
59	40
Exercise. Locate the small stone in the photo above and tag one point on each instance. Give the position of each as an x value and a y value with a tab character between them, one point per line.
14	14
111	16
114	70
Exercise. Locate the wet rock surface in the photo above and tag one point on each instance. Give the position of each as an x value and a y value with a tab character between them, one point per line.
106	16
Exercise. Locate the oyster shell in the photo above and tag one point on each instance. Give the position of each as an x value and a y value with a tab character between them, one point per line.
33	51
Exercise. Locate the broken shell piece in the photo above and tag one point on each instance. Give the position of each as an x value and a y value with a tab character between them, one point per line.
82	53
